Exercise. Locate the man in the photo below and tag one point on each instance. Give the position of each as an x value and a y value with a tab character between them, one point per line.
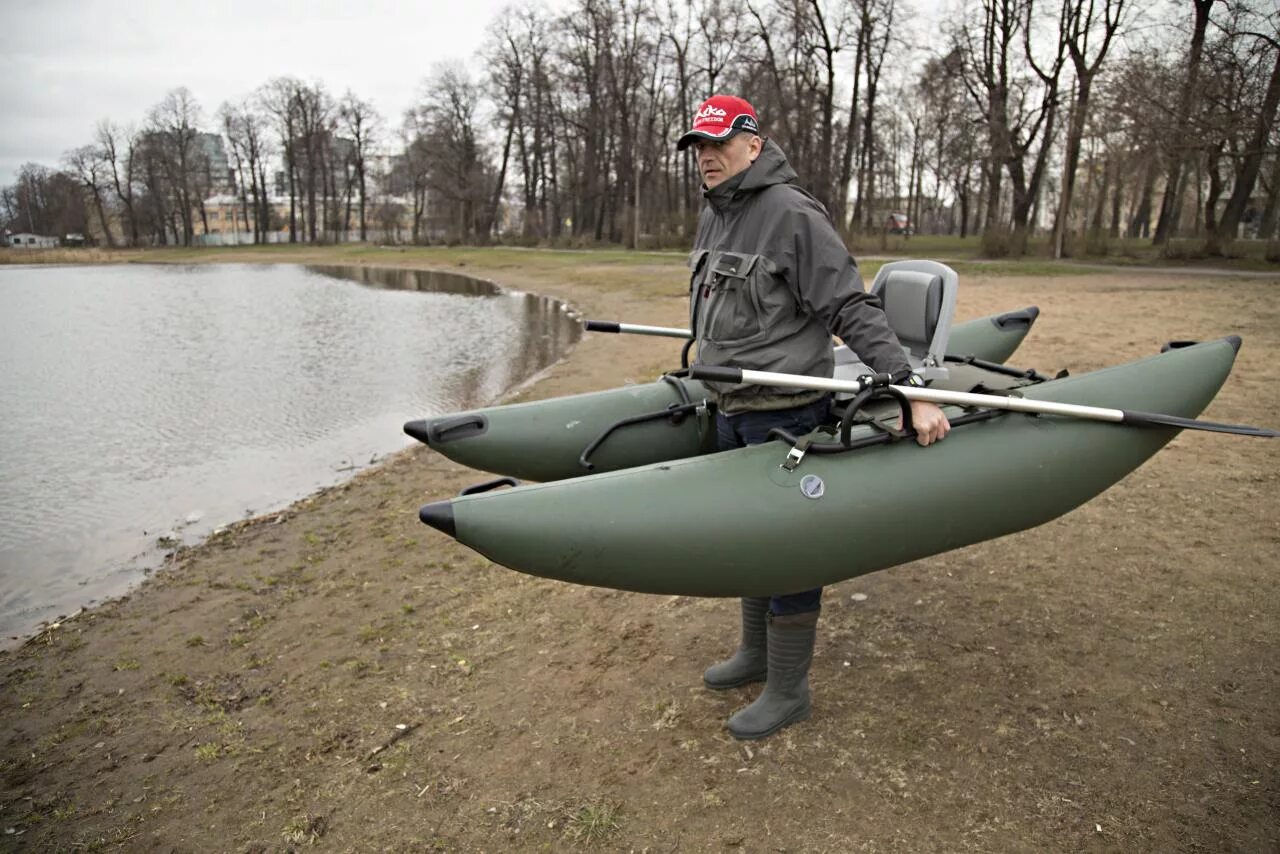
771	282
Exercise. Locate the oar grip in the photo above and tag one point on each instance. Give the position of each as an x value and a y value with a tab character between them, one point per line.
716	374
603	326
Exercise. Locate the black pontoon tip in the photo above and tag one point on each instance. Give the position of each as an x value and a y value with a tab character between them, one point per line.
419	430
439	515
1234	341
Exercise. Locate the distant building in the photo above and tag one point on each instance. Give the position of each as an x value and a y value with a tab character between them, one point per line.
227	217
26	240
219	176
208	168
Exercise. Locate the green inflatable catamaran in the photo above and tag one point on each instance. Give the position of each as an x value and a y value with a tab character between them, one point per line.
800	512
620	428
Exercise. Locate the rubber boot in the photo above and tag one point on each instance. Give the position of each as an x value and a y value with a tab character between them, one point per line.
785	699
750	661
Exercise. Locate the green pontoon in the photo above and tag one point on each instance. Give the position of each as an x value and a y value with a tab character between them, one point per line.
620	428
779	517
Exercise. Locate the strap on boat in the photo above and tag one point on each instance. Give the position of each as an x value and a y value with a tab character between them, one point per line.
813	447
675	412
796	455
998	368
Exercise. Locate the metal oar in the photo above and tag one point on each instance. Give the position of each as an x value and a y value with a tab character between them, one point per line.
968	399
635	329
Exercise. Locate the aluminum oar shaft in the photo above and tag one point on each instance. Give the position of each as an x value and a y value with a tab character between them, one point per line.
969	399
635	329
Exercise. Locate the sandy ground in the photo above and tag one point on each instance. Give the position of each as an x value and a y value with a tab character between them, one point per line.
340	676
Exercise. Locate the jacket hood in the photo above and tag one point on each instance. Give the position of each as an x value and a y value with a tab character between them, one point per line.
770	168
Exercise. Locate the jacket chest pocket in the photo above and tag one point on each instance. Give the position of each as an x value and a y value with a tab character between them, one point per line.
732	307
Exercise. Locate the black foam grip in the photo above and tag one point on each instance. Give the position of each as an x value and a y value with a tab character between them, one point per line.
603	326
716	374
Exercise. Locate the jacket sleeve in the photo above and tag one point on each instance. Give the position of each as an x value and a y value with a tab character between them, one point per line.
825	280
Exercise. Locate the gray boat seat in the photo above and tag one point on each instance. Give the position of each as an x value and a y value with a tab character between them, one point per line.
919	299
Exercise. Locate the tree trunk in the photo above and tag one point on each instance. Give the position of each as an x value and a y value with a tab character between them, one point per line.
492	215
1140	224
1247	174
360	175
1171	206
102	217
290	166
846	159
1216	187
1070	161
1270	211
1100	204
1117	199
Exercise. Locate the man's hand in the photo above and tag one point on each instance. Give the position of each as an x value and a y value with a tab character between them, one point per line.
931	425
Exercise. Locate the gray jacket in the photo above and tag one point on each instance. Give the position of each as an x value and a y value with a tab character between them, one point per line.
772	281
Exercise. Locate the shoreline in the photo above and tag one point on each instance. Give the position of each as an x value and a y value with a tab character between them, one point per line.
122	571
342	675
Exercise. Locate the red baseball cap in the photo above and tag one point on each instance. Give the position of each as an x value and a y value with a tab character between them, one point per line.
720	117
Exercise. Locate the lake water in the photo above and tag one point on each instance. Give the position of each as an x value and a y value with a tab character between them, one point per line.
139	401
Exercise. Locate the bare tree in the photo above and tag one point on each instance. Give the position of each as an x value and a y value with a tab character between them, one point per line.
949	123
44	201
1080	22
86	166
522	83
415	167
1171	205
443	135
279	98
876	25
245	129
508	86
173	126
361	121
312	110
1250	157
988	48
118	149
1036	116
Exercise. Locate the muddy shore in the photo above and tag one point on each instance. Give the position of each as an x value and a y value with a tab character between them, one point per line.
339	676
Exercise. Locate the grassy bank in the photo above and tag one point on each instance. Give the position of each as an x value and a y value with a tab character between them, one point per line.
964	254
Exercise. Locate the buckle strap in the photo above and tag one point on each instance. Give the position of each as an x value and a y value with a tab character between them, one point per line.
796	455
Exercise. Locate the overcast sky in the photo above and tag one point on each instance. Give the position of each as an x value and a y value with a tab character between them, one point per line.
65	64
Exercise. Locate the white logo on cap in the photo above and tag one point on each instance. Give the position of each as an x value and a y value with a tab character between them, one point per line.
710	111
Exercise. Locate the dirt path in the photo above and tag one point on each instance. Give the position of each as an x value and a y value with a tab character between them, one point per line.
338	675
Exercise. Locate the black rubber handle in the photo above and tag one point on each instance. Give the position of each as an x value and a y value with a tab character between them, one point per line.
716	374
1022	318
603	326
488	485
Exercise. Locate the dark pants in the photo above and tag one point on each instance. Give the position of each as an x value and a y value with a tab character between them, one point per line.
751	428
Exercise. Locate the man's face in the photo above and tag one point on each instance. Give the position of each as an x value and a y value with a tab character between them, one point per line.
719	160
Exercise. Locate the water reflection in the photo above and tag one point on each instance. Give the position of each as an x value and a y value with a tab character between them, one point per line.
134	398
435	281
